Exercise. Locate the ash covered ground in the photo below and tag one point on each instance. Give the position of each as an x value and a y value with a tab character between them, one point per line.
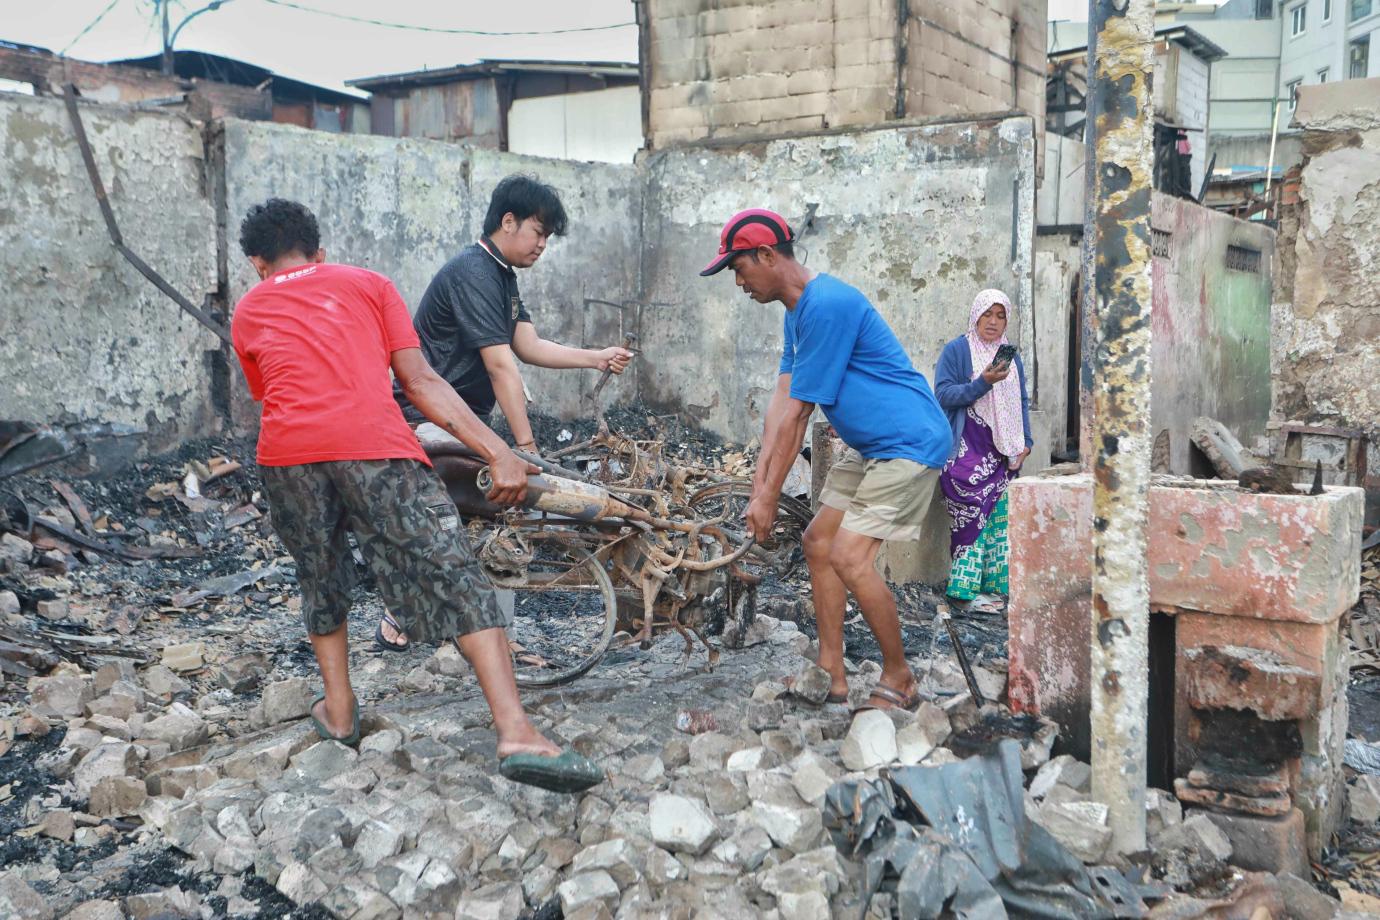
156	761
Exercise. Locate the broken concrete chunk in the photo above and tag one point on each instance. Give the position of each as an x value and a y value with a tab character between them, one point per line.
186	657
590	887
161	681
1227	455
710	750
765	714
419	680
56	609
384	742
108	673
65	695
300	884
284	700
618	857
448	662
117	796
645	768
1304	902
110	758
178	730
424	756
1208	835
323	760
1079	826
1365	799
1063	770
96	910
58	825
492	902
15	552
20	901
1162	810
9	604
243	673
792	825
376	842
812	776
191	832
961	711
680	824
812	684
871	741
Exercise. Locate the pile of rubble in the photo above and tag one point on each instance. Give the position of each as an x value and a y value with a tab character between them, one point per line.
155	759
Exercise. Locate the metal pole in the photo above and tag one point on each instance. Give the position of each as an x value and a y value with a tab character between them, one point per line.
1122	64
167	41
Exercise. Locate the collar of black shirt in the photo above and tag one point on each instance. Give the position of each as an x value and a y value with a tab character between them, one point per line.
492	249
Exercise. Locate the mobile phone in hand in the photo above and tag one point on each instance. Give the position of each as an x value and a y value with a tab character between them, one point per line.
1005	355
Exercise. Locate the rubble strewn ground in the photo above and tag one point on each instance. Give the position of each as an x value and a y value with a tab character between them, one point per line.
155	762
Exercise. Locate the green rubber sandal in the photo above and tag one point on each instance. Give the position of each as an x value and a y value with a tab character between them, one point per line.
350	740
569	773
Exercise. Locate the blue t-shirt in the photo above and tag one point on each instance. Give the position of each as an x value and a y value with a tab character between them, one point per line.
843	357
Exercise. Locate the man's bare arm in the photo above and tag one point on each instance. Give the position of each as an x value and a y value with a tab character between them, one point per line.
533	349
438	401
766	493
507	384
771	426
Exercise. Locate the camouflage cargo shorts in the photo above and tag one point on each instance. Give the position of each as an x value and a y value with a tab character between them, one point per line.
408	532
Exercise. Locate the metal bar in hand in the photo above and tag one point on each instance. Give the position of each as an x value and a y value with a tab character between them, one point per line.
69	93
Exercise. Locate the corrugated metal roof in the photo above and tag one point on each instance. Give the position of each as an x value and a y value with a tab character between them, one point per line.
1187	36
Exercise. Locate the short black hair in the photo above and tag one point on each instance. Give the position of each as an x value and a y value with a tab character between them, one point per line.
524	197
786	249
277	227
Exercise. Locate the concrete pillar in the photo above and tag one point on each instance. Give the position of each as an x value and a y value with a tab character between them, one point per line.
1121	67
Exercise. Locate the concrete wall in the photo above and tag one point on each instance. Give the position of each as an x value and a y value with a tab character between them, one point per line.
404	207
1211	348
732	69
1327	310
920	219
83	336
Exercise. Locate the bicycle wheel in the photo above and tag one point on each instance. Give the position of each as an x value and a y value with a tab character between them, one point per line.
792	517
564	610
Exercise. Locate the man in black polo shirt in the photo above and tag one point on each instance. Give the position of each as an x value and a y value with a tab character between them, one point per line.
474	327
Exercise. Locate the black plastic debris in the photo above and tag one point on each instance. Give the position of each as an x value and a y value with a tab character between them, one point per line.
956	838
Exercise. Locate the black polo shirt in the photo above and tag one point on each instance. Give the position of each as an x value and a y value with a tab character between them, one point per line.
472	303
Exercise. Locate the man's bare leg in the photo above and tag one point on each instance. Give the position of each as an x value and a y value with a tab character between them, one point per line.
853	559
337	710
398	637
487	652
830	595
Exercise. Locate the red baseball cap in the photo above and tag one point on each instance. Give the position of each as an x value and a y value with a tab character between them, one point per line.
746	231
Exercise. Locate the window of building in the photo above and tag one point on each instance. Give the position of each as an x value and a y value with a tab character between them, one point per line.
1291	92
1360	58
1322	74
1360	9
1298	19
1264	9
1327	10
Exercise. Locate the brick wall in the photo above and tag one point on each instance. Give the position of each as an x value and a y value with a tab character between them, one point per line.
736	68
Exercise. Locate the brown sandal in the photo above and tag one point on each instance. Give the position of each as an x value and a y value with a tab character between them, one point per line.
895	697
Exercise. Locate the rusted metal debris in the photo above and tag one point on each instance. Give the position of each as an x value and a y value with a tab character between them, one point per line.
1118	222
630	528
69	93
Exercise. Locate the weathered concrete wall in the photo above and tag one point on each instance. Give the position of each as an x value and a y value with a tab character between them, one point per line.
83	336
403	207
733	69
919	219
1327	311
1056	274
1211	348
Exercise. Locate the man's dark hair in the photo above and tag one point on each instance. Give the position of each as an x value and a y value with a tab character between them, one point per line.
524	197
277	227
786	249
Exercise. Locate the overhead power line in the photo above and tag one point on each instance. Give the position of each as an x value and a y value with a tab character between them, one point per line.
399	25
91	26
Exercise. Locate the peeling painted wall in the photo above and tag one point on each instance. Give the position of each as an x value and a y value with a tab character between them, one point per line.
1327	311
1211	349
83	336
919	219
404	207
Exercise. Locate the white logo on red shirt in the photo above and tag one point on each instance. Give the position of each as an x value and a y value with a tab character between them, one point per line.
297	274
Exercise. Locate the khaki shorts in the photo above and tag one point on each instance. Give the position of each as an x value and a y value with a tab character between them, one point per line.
886	499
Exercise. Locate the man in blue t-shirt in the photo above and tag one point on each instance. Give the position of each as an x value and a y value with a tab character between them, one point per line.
841	356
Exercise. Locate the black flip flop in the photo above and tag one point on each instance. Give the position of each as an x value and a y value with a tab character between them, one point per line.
569	773
384	643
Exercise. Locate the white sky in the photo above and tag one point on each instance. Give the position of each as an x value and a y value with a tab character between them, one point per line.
327	51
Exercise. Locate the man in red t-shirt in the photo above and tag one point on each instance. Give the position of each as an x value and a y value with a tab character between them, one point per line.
316	343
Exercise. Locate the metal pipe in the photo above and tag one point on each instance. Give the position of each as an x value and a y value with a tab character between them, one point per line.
1121	68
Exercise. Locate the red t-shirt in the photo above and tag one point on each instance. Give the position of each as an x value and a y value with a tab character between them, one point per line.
315	343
